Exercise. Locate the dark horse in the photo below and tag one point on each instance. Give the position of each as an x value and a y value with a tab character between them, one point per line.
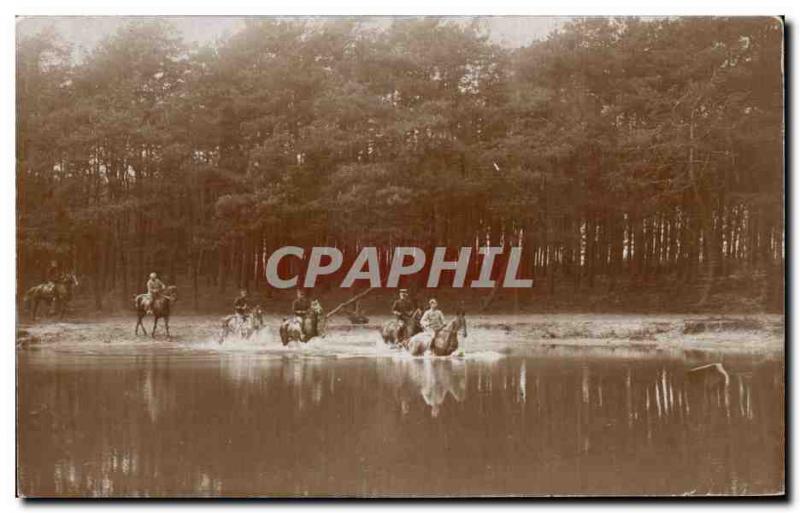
56	295
304	329
396	331
160	309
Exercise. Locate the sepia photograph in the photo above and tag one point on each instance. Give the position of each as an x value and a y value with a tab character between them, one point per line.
400	256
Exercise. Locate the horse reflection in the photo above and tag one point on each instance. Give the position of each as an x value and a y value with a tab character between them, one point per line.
435	379
307	381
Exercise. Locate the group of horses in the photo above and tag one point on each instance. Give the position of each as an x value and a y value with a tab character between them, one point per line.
406	334
57	295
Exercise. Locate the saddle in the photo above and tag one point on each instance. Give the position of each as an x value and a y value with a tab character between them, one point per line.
147	300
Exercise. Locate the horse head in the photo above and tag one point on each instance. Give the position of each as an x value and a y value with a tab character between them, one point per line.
69	279
258	315
447	342
171	293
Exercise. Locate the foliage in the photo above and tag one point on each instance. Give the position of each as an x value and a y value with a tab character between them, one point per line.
615	147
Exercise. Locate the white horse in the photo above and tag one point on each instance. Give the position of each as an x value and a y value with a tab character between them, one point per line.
443	343
243	326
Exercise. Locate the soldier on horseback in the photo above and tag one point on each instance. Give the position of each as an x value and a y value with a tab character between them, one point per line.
56	291
245	319
157	301
403	309
433	319
52	276
155	287
308	320
301	304
241	305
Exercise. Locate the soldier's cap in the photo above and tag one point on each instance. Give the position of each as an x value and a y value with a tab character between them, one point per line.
403	291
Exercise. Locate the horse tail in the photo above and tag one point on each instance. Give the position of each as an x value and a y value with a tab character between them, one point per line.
26	300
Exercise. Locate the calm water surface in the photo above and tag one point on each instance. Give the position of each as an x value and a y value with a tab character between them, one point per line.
509	421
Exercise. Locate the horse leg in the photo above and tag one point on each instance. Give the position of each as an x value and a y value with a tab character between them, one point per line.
387	335
308	329
140	323
166	325
223	332
33	308
155	323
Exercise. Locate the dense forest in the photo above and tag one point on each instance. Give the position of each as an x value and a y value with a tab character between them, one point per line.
623	155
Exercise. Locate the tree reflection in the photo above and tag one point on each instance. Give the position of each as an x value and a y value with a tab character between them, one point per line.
247	424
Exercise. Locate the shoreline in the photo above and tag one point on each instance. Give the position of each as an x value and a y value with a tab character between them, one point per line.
754	334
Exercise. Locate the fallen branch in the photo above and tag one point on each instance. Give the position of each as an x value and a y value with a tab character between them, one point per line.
349	301
490	297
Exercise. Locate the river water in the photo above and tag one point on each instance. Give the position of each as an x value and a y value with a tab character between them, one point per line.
349	418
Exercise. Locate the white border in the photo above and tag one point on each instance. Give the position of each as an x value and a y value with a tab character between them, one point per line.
316	7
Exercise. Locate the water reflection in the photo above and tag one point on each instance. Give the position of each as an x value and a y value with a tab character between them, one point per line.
241	425
433	380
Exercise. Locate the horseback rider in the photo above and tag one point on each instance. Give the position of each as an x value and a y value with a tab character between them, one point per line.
301	306
433	319
241	305
52	276
155	287
403	310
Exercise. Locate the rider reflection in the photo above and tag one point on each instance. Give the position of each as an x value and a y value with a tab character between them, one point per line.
435	379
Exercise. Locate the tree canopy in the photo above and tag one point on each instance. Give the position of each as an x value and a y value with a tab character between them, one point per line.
614	150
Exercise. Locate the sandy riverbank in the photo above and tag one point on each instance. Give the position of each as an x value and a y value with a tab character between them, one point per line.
755	334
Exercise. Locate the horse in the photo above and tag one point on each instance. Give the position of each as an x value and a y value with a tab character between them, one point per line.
160	308
243	326
57	294
303	330
443	343
390	331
